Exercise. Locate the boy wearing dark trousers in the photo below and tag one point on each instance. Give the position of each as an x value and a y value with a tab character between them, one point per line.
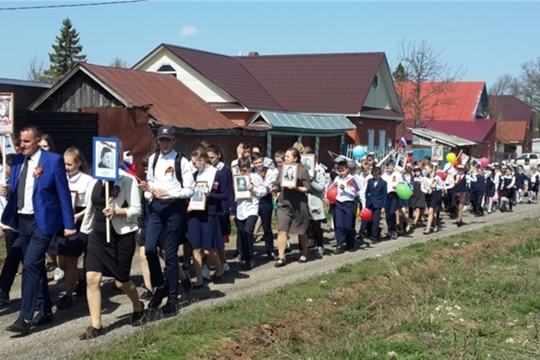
478	190
348	191
392	179
376	198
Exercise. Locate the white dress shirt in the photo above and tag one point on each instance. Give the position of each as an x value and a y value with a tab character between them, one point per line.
349	193
434	184
80	183
392	180
28	207
165	178
250	207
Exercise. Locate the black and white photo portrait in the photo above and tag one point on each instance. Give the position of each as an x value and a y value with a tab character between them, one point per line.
308	160
198	200
289	175
241	187
105	158
6	113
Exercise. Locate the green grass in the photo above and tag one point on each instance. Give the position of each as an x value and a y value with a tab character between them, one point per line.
470	296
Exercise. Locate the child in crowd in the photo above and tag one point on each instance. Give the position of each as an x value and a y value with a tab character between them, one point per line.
432	186
418	200
376	199
478	191
533	185
461	192
392	177
348	191
520	184
506	191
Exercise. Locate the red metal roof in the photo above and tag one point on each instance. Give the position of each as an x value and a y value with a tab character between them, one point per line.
456	101
509	108
171	102
229	74
512	131
315	83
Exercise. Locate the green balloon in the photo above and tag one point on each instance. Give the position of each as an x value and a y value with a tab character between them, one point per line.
403	192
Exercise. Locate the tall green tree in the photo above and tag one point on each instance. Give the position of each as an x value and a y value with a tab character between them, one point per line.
67	52
400	74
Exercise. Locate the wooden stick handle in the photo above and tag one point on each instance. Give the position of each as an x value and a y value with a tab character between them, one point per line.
107	221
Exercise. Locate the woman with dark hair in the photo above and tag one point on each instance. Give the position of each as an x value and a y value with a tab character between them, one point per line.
106	157
47	143
293	210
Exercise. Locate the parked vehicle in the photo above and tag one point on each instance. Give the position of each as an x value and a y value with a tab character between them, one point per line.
534	159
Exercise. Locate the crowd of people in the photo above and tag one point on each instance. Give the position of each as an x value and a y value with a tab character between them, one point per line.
191	202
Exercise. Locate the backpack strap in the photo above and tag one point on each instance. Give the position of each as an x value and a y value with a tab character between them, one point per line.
154	162
178	168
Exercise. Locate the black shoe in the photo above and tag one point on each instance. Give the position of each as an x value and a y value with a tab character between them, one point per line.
339	250
312	244
279	263
185	267
20	326
146	295
393	236
249	264
65	302
236	254
460	223
216	279
158	297
272	255
4	298
42	319
80	290
187	284
92	333
137	317
320	252
171	307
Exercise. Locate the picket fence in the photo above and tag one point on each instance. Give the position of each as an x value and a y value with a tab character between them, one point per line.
381	152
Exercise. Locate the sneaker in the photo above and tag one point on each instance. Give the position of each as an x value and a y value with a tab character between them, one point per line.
393	236
311	244
187	284
226	267
171	307
320	252
206	273
146	295
4	298
249	264
158	297
339	250
65	302
91	333
58	274
20	326
272	255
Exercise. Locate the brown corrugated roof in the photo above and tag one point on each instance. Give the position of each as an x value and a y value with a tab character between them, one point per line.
512	132
314	83
169	101
229	74
509	108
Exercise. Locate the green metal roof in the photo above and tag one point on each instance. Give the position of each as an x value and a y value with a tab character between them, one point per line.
304	123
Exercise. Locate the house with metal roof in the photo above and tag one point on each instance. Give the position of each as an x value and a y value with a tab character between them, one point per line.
97	100
458	109
307	91
516	123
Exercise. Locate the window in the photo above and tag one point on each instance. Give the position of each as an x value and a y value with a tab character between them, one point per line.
371	139
382	138
522	157
375	83
167	69
533	157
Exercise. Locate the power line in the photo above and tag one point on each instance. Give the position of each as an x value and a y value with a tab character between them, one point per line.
70	5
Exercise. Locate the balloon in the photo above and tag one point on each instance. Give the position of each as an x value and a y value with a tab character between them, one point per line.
471	162
496	197
451	158
484	161
331	194
359	152
403	192
442	175
366	214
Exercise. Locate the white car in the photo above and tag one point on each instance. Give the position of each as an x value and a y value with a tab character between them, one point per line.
534	159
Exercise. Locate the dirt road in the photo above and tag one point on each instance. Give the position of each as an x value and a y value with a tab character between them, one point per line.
60	339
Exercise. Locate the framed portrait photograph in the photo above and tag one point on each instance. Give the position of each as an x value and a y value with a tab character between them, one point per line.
289	175
235	170
401	161
6	113
105	158
436	152
308	160
74	198
241	187
198	200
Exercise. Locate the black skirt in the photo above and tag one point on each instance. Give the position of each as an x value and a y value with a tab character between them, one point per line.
112	258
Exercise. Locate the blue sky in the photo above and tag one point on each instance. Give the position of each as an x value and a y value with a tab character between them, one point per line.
487	38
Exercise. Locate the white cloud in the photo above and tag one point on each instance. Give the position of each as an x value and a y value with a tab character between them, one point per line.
188	31
452	23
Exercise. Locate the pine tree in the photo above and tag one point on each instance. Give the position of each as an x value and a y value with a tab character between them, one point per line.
67	52
400	74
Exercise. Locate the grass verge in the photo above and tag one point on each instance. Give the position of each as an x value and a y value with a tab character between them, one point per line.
469	296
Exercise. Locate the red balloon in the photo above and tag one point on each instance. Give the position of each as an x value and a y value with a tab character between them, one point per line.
484	161
366	214
442	175
331	194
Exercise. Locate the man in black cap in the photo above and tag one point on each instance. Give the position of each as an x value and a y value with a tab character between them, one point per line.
168	210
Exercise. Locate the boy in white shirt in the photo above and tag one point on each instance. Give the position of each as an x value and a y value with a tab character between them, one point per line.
393	179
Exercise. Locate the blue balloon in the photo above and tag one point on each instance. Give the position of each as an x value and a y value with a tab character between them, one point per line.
359	152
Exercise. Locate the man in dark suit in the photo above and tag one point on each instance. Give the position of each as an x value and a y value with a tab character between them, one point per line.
39	202
376	197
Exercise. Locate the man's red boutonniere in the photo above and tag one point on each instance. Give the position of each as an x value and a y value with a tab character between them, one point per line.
170	170
38	171
263	174
215	187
